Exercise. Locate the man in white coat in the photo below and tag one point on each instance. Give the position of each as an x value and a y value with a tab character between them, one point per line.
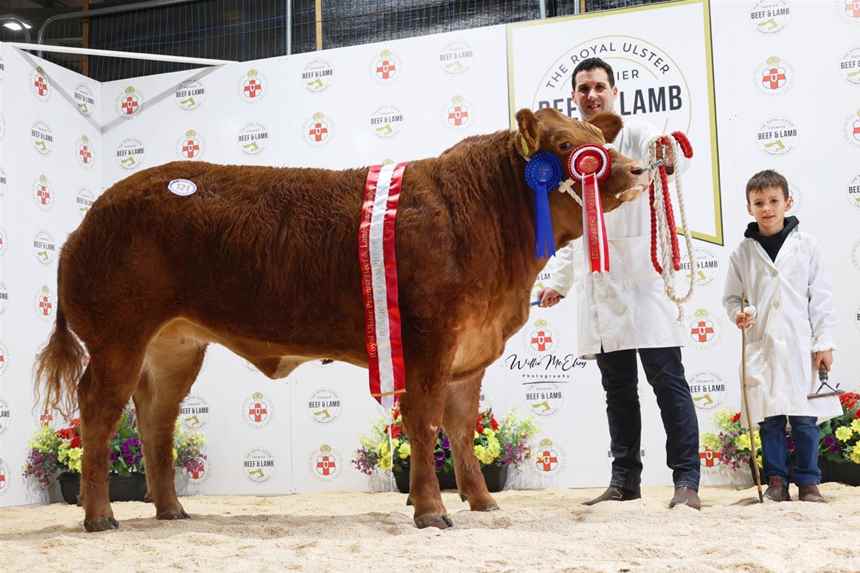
627	312
778	269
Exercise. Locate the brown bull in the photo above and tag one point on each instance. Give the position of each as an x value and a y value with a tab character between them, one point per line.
264	261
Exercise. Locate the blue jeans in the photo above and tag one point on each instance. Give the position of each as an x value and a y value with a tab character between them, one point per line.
665	374
774	447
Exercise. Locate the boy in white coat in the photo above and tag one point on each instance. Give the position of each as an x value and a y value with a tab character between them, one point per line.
790	325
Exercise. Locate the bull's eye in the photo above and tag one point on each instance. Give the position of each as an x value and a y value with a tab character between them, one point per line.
565	146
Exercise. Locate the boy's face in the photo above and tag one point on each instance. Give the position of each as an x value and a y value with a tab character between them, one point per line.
593	93
768	207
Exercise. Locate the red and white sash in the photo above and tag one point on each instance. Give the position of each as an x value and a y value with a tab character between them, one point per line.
378	263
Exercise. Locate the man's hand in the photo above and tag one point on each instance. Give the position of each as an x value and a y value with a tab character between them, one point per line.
549	297
823	360
745	318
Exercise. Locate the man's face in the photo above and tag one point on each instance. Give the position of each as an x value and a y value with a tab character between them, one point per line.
768	207
593	93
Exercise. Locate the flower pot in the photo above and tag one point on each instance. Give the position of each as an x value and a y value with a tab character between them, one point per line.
120	488
846	472
494	476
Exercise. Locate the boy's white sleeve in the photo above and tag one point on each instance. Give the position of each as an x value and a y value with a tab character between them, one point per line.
822	318
560	267
733	292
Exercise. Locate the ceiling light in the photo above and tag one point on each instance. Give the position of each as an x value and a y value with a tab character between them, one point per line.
16	26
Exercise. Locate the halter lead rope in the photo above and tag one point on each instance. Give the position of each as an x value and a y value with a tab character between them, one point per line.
663	218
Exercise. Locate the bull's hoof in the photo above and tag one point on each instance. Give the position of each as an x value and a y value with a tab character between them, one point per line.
408	500
101	524
172	514
440	521
491	506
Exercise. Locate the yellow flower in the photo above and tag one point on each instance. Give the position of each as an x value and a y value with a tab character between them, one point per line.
742	442
404	451
843	433
484	455
711	442
384	453
855	425
175	454
71	457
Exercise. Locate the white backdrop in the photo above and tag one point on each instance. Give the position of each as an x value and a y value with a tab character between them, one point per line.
409	99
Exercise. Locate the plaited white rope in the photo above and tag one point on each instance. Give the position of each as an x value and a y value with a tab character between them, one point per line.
663	231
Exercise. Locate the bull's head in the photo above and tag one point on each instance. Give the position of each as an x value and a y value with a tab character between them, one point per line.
549	131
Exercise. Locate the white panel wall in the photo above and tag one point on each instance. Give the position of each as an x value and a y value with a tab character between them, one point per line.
410	99
52	159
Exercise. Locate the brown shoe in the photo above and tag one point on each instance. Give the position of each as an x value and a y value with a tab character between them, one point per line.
686	496
777	489
614	493
810	493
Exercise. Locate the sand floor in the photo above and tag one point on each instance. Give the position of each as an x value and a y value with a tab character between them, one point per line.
546	530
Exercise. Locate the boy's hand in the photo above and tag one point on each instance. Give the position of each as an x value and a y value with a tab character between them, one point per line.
548	297
745	318
823	360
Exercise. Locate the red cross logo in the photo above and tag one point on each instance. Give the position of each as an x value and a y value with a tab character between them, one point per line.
252	87
45	305
318	132
86	154
130	105
547	461
702	331
774	78
541	340
41	86
258	411
325	465
856	131
2	481
458	115
44	195
197	471
386	69
710	457
190	148
853	8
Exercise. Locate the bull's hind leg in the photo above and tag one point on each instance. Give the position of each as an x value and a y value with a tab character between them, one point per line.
461	413
103	391
171	366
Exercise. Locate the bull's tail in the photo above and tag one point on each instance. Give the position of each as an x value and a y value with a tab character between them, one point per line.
59	365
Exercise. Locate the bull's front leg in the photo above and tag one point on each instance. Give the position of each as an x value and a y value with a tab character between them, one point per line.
422	408
461	412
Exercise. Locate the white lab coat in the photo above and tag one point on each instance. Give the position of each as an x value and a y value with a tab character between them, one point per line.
794	318
626	308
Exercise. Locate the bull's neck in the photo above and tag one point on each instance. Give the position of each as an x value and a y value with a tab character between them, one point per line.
494	188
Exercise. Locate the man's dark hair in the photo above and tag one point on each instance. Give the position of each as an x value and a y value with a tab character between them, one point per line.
589	64
765	179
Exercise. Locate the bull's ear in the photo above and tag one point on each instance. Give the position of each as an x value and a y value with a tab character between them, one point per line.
528	132
609	123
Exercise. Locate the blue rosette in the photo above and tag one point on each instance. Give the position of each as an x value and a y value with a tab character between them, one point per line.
543	174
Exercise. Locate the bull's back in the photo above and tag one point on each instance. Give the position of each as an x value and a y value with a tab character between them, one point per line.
252	244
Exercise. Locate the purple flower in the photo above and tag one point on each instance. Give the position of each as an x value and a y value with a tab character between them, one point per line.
131	451
829	441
